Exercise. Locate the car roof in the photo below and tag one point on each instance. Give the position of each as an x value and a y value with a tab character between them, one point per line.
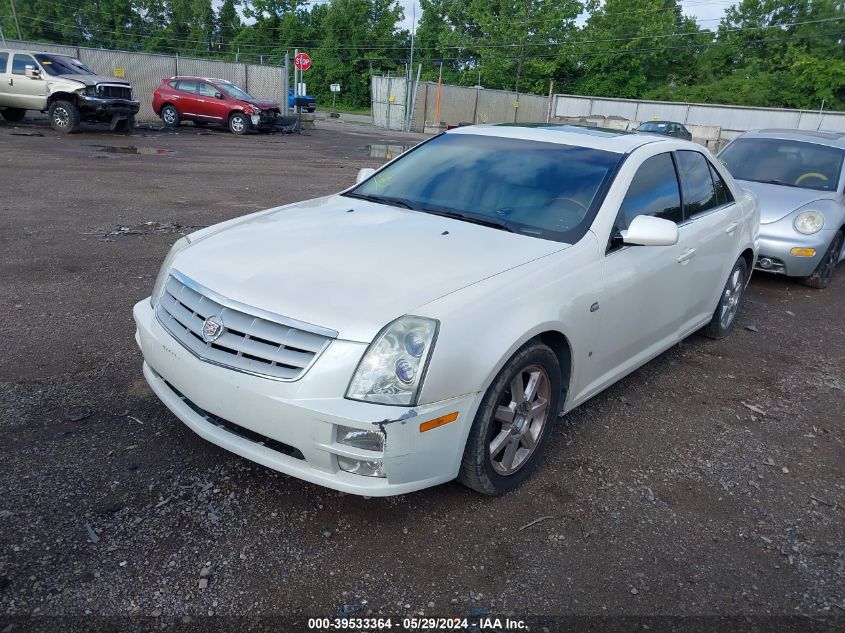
17	50
195	78
617	141
821	137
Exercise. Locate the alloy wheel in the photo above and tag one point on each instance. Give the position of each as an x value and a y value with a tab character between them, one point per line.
237	124
519	420
731	297
61	117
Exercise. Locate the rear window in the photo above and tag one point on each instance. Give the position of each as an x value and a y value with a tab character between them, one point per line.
4	61
784	162
185	85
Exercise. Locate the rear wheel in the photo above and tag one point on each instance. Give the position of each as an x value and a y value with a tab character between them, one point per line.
513	422
724	317
824	271
239	123
13	115
64	116
170	116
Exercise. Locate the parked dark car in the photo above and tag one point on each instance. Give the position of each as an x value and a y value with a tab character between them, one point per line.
213	102
665	128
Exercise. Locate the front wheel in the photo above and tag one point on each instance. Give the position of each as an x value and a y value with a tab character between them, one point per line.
64	116
724	317
513	422
239	123
824	271
13	115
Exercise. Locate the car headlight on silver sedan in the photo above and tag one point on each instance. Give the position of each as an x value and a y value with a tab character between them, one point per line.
808	222
393	367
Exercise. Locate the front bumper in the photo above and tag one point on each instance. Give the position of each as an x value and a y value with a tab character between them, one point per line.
107	106
301	418
776	242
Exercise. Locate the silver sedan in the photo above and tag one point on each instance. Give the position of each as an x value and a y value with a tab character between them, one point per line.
799	178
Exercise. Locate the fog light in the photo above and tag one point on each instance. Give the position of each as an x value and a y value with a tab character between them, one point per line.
360	467
357	438
803	252
255	119
765	262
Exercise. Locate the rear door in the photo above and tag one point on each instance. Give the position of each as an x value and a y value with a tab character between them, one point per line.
26	92
712	220
186	98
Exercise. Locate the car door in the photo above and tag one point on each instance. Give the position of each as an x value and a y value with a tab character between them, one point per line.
186	99
712	223
209	107
28	93
643	304
5	79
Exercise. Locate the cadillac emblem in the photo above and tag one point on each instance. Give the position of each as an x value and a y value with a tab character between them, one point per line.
212	329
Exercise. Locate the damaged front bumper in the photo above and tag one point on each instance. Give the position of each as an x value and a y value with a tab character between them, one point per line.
293	427
107	107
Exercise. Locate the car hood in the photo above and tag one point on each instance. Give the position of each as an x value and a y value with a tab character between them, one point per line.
350	265
93	80
778	201
264	104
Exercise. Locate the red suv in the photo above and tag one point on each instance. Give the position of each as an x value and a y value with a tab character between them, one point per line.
212	102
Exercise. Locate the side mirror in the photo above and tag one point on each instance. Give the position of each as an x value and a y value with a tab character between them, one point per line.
217	95
32	72
647	230
364	173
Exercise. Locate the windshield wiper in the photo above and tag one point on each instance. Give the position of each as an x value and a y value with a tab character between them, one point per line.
473	219
396	202
776	182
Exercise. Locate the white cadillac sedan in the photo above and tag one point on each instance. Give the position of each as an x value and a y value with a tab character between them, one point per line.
431	322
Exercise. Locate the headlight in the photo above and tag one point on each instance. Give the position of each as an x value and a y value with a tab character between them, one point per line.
809	222
180	245
392	369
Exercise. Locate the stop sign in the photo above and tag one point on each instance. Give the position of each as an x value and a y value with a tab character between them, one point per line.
302	61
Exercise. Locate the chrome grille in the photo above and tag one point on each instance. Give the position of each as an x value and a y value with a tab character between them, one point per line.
268	345
114	91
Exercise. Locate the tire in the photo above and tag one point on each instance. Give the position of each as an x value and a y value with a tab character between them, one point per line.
170	116
724	316
503	449
824	271
239	123
64	116
13	115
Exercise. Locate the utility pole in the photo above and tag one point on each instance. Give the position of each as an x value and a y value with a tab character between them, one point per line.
15	15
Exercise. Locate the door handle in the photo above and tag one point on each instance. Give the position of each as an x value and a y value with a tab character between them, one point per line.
11	81
686	256
731	227
200	100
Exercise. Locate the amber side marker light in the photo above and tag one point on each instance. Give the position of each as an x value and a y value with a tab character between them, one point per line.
438	422
803	252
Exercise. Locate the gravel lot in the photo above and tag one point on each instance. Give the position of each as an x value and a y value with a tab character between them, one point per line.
709	482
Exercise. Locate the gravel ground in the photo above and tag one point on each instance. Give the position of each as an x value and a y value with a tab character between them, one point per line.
709	482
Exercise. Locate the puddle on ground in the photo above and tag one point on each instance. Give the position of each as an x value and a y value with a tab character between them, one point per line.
131	149
388	152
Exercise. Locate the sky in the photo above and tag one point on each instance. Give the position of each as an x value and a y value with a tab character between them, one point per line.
707	12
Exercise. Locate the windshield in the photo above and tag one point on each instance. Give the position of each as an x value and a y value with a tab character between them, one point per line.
783	162
62	65
653	127
545	190
233	91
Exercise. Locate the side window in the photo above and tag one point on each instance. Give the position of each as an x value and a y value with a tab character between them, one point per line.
186	85
723	193
20	62
653	191
206	90
697	183
4	61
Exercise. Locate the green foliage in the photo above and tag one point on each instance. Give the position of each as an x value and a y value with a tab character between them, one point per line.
778	53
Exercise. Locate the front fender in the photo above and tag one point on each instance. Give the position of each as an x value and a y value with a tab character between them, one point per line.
483	325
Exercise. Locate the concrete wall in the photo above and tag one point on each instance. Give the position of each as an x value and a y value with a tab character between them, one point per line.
146	70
